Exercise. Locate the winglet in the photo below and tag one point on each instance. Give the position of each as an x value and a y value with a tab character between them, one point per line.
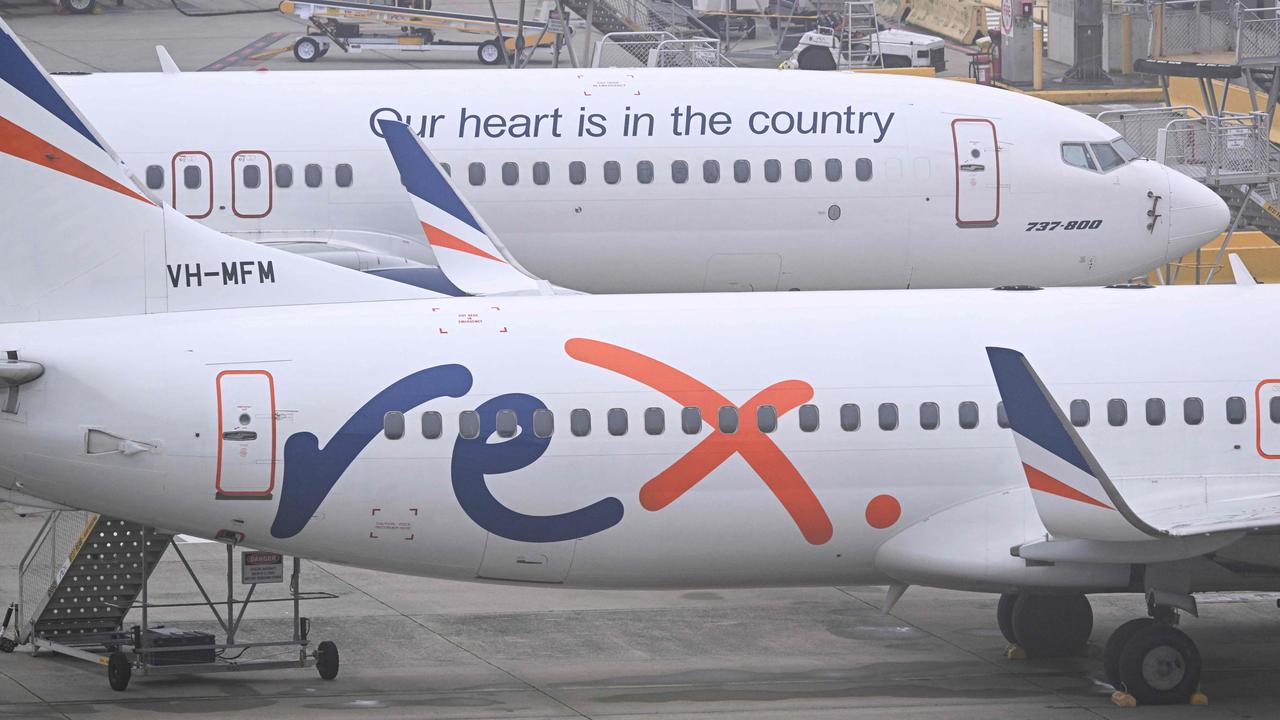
167	65
468	252
1073	495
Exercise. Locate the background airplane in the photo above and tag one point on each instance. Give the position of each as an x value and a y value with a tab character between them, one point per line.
672	180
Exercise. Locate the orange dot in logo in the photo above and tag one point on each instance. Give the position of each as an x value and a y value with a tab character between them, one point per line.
883	511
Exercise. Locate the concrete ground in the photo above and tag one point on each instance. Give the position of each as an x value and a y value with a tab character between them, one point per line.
413	648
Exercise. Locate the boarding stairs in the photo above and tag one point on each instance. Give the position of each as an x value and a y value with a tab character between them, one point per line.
614	16
81	576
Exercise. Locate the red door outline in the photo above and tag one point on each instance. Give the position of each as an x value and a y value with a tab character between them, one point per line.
173	173
267	178
1257	417
271	485
955	144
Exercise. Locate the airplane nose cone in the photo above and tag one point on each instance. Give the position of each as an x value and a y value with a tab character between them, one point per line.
1196	215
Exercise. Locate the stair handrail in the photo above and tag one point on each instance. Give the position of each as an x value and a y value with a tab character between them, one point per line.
58	541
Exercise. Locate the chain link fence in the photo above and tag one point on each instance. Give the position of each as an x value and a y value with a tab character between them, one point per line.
45	562
657	49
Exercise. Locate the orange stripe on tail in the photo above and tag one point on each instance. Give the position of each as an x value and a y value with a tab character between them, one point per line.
1046	484
440	238
16	141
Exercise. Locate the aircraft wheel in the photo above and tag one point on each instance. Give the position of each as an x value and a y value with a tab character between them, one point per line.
1115	645
307	49
119	670
489	52
327	660
1004	616
1052	625
816	58
79	7
1160	665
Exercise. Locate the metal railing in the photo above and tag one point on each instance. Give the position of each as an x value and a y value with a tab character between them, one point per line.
657	49
1258	34
1141	127
1191	27
1234	147
46	562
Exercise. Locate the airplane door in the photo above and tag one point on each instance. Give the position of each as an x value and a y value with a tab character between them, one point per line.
192	173
1267	417
251	192
977	172
246	435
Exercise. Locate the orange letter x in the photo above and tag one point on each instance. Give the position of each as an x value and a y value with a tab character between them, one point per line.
757	448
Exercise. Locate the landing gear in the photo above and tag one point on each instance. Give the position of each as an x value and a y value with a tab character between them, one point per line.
1153	661
1045	625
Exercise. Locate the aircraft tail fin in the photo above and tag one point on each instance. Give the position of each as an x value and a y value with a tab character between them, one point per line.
1073	495
467	250
81	238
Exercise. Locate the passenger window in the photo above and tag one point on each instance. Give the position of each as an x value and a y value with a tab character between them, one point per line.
1080	413
577	172
710	171
191	177
1155	411
544	423
505	423
1107	156
580	422
930	416
741	171
808	418
155	177
767	418
1193	411
251	176
862	169
727	419
804	170
1235	410
541	173
343	175
284	176
1002	418
1117	412
850	417
616	421
835	169
469	424
888	416
475	173
393	425
655	421
432	425
510	173
312	175
1077	155
772	171
612	172
968	415
679	172
1275	409
644	172
691	421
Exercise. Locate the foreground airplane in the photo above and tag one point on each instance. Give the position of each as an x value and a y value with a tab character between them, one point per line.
162	372
672	180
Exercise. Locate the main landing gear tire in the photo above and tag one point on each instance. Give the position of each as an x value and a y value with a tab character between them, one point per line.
1159	665
119	671
307	49
1052	625
816	58
489	52
327	660
1004	616
1115	645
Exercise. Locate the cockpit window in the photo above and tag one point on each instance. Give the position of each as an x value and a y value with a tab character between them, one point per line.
1077	155
1126	150
1107	156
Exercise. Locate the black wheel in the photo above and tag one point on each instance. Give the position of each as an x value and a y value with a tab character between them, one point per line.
1115	645
79	7
816	58
1052	625
1004	616
119	670
489	52
327	660
7	644
307	49
324	50
1160	665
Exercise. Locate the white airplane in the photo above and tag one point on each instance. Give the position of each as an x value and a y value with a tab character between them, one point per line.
672	180
159	371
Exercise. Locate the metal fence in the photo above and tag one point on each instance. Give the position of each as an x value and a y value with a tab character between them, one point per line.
46	561
1142	127
1258	35
1234	147
1189	27
657	49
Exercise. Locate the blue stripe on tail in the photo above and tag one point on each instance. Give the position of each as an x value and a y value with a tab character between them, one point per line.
1029	407
17	70
419	175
